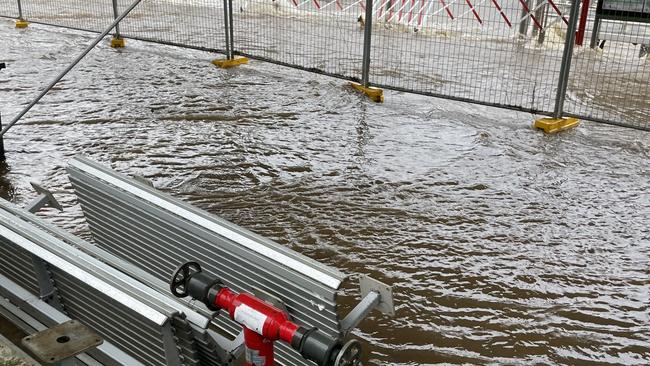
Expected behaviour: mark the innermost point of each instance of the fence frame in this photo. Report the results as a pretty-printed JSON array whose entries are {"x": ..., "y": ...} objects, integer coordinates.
[
  {"x": 567, "y": 55},
  {"x": 364, "y": 78}
]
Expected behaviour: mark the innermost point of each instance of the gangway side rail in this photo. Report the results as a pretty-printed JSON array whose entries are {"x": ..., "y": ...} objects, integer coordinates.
[
  {"x": 157, "y": 232},
  {"x": 183, "y": 334},
  {"x": 99, "y": 261},
  {"x": 32, "y": 314},
  {"x": 127, "y": 322},
  {"x": 128, "y": 278}
]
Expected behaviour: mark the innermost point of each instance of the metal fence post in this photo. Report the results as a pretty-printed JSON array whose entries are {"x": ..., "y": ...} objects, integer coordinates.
[
  {"x": 543, "y": 19},
  {"x": 226, "y": 21},
  {"x": 523, "y": 26},
  {"x": 231, "y": 29},
  {"x": 367, "y": 38},
  {"x": 594, "y": 32},
  {"x": 565, "y": 67},
  {"x": 115, "y": 15},
  {"x": 20, "y": 10}
]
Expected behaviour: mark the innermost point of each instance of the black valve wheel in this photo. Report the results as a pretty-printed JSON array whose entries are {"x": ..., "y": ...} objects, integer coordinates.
[
  {"x": 178, "y": 284},
  {"x": 350, "y": 354}
]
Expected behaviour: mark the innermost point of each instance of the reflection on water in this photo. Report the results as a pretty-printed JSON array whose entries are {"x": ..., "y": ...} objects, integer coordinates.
[{"x": 504, "y": 246}]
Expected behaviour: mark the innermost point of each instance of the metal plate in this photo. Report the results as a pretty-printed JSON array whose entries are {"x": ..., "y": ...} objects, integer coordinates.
[
  {"x": 61, "y": 342},
  {"x": 368, "y": 284}
]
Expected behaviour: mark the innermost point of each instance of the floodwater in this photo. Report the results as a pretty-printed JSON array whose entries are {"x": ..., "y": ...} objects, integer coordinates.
[{"x": 503, "y": 245}]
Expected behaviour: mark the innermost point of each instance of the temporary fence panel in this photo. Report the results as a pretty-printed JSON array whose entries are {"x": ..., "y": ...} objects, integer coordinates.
[
  {"x": 157, "y": 232},
  {"x": 9, "y": 8},
  {"x": 611, "y": 81},
  {"x": 88, "y": 15},
  {"x": 323, "y": 36},
  {"x": 495, "y": 52},
  {"x": 505, "y": 53},
  {"x": 197, "y": 24}
]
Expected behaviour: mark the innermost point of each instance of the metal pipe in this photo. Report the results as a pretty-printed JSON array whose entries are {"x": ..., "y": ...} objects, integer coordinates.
[
  {"x": 595, "y": 30},
  {"x": 20, "y": 10},
  {"x": 363, "y": 308},
  {"x": 544, "y": 20},
  {"x": 226, "y": 20},
  {"x": 566, "y": 60},
  {"x": 115, "y": 14},
  {"x": 72, "y": 65},
  {"x": 367, "y": 38},
  {"x": 523, "y": 26},
  {"x": 231, "y": 29}
]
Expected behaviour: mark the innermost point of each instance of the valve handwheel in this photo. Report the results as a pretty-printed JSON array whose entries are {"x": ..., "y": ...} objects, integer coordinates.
[
  {"x": 349, "y": 355},
  {"x": 178, "y": 284}
]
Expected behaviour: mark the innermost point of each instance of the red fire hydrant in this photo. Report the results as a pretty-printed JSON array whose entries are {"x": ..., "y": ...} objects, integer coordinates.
[{"x": 263, "y": 323}]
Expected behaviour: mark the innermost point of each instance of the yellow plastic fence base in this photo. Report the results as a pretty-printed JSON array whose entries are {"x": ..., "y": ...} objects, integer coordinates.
[
  {"x": 226, "y": 64},
  {"x": 375, "y": 94},
  {"x": 118, "y": 42},
  {"x": 553, "y": 125},
  {"x": 21, "y": 23}
]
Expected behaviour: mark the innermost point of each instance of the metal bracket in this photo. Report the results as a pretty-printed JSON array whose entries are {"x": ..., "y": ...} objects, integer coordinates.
[
  {"x": 271, "y": 299},
  {"x": 368, "y": 285},
  {"x": 375, "y": 295},
  {"x": 44, "y": 199},
  {"x": 60, "y": 344},
  {"x": 48, "y": 292},
  {"x": 233, "y": 348}
]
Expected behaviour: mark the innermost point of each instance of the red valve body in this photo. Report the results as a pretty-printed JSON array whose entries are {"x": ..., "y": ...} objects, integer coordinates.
[{"x": 263, "y": 324}]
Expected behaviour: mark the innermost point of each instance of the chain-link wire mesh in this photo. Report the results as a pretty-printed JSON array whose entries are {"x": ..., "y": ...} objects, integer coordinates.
[
  {"x": 9, "y": 8},
  {"x": 497, "y": 52},
  {"x": 506, "y": 53},
  {"x": 317, "y": 35},
  {"x": 611, "y": 81},
  {"x": 195, "y": 24},
  {"x": 89, "y": 15}
]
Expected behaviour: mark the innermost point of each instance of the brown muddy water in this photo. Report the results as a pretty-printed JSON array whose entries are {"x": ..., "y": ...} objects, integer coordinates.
[{"x": 504, "y": 245}]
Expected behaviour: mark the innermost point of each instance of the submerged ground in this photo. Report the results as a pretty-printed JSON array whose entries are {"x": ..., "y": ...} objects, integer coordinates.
[{"x": 504, "y": 245}]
